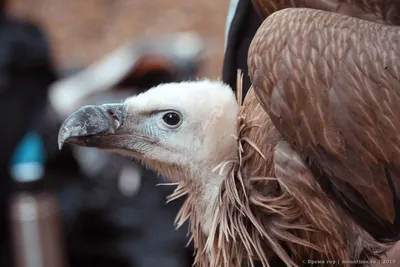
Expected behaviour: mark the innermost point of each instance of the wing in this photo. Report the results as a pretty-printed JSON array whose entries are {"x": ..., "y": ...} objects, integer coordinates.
[{"x": 330, "y": 84}]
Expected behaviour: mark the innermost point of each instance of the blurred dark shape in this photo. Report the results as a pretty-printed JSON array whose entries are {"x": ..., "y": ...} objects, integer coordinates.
[
  {"x": 25, "y": 74},
  {"x": 117, "y": 217},
  {"x": 2, "y": 7},
  {"x": 245, "y": 23}
]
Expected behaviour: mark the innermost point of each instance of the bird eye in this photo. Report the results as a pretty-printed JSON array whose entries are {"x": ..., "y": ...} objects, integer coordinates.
[{"x": 172, "y": 119}]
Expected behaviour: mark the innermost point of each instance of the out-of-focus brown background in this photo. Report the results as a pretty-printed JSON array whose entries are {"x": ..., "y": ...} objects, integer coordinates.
[{"x": 82, "y": 31}]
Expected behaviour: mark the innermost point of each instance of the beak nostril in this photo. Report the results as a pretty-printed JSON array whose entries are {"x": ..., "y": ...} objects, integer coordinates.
[{"x": 112, "y": 114}]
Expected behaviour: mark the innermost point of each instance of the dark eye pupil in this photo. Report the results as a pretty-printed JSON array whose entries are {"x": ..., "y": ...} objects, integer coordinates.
[{"x": 171, "y": 119}]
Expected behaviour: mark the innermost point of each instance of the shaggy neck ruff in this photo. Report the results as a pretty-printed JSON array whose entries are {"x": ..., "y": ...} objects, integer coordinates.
[
  {"x": 245, "y": 211},
  {"x": 254, "y": 215}
]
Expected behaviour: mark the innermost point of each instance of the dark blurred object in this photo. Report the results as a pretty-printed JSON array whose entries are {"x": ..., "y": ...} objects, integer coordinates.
[
  {"x": 116, "y": 216},
  {"x": 25, "y": 74},
  {"x": 2, "y": 7},
  {"x": 36, "y": 233},
  {"x": 244, "y": 25}
]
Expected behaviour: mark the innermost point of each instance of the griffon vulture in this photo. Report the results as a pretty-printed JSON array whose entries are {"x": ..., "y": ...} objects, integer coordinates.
[{"x": 307, "y": 168}]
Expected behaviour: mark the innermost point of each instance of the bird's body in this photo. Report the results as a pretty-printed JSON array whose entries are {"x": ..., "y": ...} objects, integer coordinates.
[{"x": 305, "y": 169}]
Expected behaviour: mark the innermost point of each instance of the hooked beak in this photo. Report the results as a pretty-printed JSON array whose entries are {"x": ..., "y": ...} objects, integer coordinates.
[{"x": 94, "y": 126}]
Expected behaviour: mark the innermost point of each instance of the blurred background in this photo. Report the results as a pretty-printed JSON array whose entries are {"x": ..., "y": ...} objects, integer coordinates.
[
  {"x": 80, "y": 207},
  {"x": 82, "y": 31}
]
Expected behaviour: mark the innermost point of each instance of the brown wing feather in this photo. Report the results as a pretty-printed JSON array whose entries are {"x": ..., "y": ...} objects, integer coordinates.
[{"x": 330, "y": 84}]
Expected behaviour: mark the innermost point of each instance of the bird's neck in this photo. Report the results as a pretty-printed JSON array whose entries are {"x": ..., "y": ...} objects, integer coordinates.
[
  {"x": 209, "y": 199},
  {"x": 203, "y": 190}
]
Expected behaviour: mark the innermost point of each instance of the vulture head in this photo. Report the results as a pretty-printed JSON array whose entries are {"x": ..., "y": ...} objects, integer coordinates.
[{"x": 181, "y": 130}]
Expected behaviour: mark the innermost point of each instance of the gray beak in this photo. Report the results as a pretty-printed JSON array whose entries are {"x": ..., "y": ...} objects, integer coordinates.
[{"x": 93, "y": 126}]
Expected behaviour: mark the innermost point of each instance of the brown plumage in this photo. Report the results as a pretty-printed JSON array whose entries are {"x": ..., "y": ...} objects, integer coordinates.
[
  {"x": 340, "y": 110},
  {"x": 313, "y": 171},
  {"x": 330, "y": 85}
]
